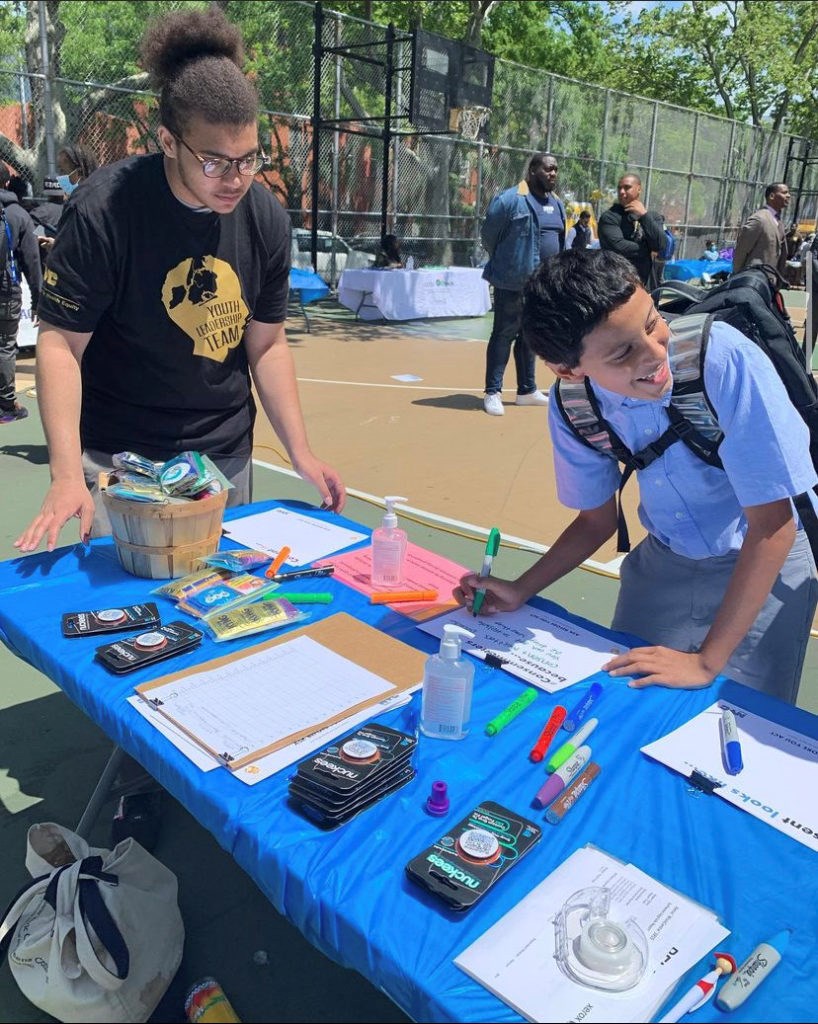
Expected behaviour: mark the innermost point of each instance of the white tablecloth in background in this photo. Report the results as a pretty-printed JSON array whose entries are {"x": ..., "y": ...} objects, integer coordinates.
[{"x": 410, "y": 294}]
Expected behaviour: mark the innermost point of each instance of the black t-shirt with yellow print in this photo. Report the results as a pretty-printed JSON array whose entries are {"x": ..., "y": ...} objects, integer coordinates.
[{"x": 166, "y": 293}]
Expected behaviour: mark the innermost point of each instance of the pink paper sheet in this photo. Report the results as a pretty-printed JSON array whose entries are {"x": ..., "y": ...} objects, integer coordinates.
[{"x": 423, "y": 570}]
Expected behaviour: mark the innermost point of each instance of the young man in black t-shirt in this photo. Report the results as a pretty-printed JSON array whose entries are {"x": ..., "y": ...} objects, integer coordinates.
[{"x": 166, "y": 292}]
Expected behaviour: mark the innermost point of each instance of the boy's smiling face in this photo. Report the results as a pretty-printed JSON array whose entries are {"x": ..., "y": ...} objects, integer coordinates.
[{"x": 627, "y": 352}]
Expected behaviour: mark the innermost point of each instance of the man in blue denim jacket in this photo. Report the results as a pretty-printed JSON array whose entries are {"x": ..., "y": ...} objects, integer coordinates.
[{"x": 523, "y": 225}]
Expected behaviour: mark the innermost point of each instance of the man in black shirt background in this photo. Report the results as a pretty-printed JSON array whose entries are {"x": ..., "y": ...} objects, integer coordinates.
[{"x": 632, "y": 230}]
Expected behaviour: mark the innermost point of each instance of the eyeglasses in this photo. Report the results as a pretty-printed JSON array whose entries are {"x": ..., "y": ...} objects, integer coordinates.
[{"x": 219, "y": 166}]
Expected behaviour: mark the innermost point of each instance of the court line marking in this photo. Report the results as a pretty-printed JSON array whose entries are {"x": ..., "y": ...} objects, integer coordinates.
[
  {"x": 611, "y": 567},
  {"x": 375, "y": 384}
]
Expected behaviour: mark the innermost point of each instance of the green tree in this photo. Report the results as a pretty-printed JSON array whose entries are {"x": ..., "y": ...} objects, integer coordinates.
[{"x": 750, "y": 61}]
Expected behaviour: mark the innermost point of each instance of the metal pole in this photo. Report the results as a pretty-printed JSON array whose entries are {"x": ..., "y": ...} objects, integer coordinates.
[
  {"x": 805, "y": 144},
  {"x": 23, "y": 111},
  {"x": 387, "y": 124},
  {"x": 48, "y": 99},
  {"x": 395, "y": 212},
  {"x": 726, "y": 190},
  {"x": 317, "y": 51},
  {"x": 651, "y": 154},
  {"x": 603, "y": 149},
  {"x": 478, "y": 201},
  {"x": 808, "y": 335},
  {"x": 549, "y": 106},
  {"x": 336, "y": 156},
  {"x": 683, "y": 252}
]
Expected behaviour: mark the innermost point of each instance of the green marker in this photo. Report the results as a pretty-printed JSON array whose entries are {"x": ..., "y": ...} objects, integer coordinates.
[
  {"x": 561, "y": 755},
  {"x": 515, "y": 708},
  {"x": 299, "y": 598},
  {"x": 492, "y": 547}
]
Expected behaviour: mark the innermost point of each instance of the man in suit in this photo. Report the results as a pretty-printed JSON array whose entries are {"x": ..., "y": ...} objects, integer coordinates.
[{"x": 762, "y": 238}]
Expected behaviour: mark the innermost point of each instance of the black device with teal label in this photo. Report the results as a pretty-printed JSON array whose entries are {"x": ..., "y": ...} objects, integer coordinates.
[
  {"x": 111, "y": 620},
  {"x": 473, "y": 855},
  {"x": 347, "y": 765},
  {"x": 146, "y": 648},
  {"x": 351, "y": 774}
]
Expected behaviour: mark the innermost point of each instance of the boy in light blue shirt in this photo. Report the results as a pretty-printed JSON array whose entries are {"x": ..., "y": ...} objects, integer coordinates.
[{"x": 725, "y": 580}]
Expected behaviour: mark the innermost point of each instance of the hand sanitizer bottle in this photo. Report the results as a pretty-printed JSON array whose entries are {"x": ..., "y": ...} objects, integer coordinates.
[
  {"x": 388, "y": 548},
  {"x": 447, "y": 688}
]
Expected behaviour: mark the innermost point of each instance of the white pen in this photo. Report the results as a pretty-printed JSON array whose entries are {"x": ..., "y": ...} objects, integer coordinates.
[{"x": 730, "y": 742}]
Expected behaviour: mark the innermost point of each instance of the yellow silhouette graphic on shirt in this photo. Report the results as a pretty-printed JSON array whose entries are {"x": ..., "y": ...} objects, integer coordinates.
[{"x": 202, "y": 296}]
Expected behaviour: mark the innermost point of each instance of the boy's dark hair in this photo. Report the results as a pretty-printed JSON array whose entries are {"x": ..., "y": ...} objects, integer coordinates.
[
  {"x": 194, "y": 58},
  {"x": 569, "y": 295},
  {"x": 80, "y": 157}
]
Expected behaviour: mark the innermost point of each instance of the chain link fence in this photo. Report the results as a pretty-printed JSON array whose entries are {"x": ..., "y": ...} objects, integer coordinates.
[{"x": 704, "y": 173}]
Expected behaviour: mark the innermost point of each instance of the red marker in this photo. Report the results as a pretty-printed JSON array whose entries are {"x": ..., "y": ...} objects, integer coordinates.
[{"x": 548, "y": 733}]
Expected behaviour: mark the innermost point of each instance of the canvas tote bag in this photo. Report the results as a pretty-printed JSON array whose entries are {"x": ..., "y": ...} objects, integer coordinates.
[{"x": 97, "y": 935}]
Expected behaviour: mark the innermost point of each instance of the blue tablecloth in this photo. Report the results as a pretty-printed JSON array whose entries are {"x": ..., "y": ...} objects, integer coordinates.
[
  {"x": 346, "y": 890},
  {"x": 308, "y": 284},
  {"x": 686, "y": 270}
]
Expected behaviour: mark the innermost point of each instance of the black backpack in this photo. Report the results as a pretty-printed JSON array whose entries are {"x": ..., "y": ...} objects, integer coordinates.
[{"x": 751, "y": 302}]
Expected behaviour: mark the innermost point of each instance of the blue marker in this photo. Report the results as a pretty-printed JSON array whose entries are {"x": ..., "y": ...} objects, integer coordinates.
[
  {"x": 730, "y": 743},
  {"x": 580, "y": 712}
]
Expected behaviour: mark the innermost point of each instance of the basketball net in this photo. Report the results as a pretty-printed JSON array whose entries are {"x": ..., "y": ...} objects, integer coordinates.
[{"x": 467, "y": 121}]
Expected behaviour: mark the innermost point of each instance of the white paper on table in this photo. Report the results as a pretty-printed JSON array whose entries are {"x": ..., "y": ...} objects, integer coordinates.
[
  {"x": 515, "y": 958},
  {"x": 200, "y": 757},
  {"x": 535, "y": 645},
  {"x": 308, "y": 538},
  {"x": 780, "y": 775},
  {"x": 268, "y": 765},
  {"x": 252, "y": 702}
]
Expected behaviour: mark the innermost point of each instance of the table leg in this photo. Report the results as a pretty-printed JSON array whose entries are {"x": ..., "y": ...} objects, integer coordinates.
[{"x": 101, "y": 792}]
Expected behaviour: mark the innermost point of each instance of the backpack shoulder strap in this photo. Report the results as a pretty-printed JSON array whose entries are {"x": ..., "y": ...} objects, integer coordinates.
[
  {"x": 580, "y": 410},
  {"x": 691, "y": 414}
]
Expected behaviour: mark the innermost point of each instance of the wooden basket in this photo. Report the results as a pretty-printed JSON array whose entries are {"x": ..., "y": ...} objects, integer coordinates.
[{"x": 163, "y": 542}]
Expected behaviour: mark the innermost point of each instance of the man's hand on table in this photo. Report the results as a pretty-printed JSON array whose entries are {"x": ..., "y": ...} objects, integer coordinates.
[{"x": 65, "y": 500}]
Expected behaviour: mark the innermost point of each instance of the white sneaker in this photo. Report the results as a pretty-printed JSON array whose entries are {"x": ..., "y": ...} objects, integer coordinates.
[
  {"x": 493, "y": 404},
  {"x": 535, "y": 398}
]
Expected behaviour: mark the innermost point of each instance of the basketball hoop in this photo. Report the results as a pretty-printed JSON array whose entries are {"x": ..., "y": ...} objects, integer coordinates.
[{"x": 467, "y": 121}]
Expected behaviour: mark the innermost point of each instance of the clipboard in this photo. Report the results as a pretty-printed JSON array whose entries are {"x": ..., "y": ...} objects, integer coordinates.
[{"x": 366, "y": 646}]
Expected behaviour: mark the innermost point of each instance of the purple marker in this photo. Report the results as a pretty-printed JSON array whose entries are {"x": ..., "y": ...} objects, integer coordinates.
[
  {"x": 564, "y": 775},
  {"x": 580, "y": 712}
]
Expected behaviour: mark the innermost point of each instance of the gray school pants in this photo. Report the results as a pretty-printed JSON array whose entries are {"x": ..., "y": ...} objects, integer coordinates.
[
  {"x": 671, "y": 601},
  {"x": 238, "y": 470}
]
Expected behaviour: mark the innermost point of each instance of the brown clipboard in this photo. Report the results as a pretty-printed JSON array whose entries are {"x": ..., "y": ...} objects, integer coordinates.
[{"x": 395, "y": 661}]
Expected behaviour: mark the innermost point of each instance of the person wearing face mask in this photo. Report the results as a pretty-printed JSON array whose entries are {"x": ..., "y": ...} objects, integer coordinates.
[
  {"x": 166, "y": 291},
  {"x": 75, "y": 163}
]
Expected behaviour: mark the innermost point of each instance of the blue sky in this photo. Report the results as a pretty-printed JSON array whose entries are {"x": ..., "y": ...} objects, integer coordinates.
[{"x": 636, "y": 6}]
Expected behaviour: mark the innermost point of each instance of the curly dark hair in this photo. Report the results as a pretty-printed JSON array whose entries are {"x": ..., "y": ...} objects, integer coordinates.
[
  {"x": 80, "y": 157},
  {"x": 569, "y": 295},
  {"x": 195, "y": 58}
]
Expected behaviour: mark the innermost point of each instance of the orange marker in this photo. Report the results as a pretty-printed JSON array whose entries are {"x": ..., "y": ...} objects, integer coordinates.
[
  {"x": 403, "y": 595},
  {"x": 277, "y": 562}
]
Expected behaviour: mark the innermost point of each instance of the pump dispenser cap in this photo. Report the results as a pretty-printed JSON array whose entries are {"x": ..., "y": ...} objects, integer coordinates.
[
  {"x": 437, "y": 803},
  {"x": 450, "y": 644},
  {"x": 390, "y": 520}
]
